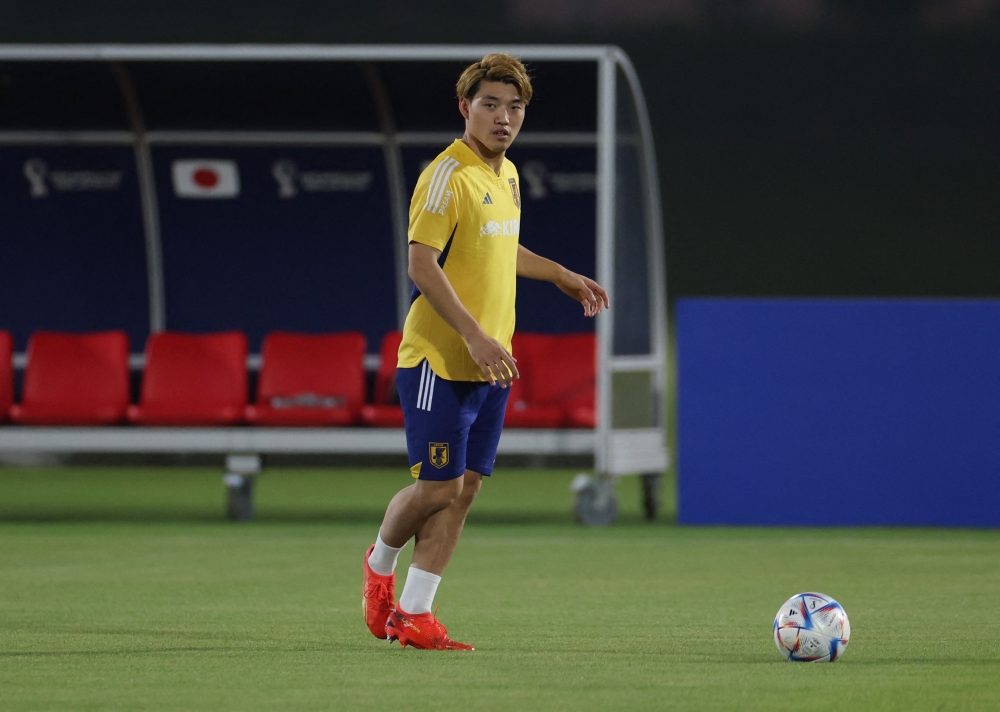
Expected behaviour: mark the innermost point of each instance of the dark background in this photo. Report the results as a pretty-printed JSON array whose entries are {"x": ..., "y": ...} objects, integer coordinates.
[{"x": 806, "y": 147}]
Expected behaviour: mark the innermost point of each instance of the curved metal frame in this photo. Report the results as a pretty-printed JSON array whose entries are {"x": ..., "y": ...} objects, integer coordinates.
[
  {"x": 147, "y": 196},
  {"x": 609, "y": 59},
  {"x": 628, "y": 451},
  {"x": 397, "y": 188},
  {"x": 296, "y": 53},
  {"x": 654, "y": 235}
]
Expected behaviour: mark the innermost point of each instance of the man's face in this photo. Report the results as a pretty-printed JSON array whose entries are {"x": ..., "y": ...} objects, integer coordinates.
[{"x": 493, "y": 115}]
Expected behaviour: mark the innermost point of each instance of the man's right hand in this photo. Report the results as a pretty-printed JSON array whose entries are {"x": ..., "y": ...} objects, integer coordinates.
[{"x": 496, "y": 362}]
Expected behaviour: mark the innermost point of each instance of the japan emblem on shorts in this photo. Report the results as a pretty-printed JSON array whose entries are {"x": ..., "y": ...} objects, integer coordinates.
[
  {"x": 513, "y": 190},
  {"x": 439, "y": 454}
]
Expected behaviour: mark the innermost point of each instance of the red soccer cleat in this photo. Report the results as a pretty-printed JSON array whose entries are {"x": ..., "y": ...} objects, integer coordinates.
[
  {"x": 378, "y": 598},
  {"x": 422, "y": 631}
]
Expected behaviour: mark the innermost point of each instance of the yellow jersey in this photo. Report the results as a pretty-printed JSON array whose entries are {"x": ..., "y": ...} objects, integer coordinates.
[{"x": 461, "y": 207}]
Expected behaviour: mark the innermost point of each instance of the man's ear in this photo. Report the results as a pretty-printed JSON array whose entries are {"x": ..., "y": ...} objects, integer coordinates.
[{"x": 463, "y": 107}]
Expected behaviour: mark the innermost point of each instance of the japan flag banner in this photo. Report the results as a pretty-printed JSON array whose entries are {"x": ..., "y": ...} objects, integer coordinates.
[{"x": 205, "y": 178}]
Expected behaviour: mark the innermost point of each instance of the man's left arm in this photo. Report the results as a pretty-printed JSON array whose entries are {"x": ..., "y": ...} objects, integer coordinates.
[{"x": 583, "y": 289}]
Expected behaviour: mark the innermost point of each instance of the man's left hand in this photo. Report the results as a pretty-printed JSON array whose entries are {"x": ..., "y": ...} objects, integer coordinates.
[{"x": 584, "y": 290}]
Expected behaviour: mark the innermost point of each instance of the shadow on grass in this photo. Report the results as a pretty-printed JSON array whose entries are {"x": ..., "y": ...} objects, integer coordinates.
[
  {"x": 332, "y": 516},
  {"x": 164, "y": 651}
]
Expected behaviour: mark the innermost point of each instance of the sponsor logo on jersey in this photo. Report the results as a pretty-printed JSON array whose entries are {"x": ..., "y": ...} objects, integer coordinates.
[
  {"x": 444, "y": 202},
  {"x": 205, "y": 178},
  {"x": 39, "y": 177},
  {"x": 496, "y": 229},
  {"x": 439, "y": 454},
  {"x": 513, "y": 191},
  {"x": 290, "y": 180},
  {"x": 487, "y": 200}
]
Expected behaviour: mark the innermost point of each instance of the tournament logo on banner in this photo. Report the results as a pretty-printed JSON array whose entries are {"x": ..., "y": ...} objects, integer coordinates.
[
  {"x": 39, "y": 177},
  {"x": 290, "y": 179},
  {"x": 205, "y": 178},
  {"x": 540, "y": 178}
]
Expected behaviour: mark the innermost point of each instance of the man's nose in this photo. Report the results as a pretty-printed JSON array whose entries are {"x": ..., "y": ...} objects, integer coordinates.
[{"x": 503, "y": 118}]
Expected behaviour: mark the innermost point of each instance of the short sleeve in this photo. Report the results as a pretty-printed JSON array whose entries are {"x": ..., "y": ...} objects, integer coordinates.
[{"x": 434, "y": 207}]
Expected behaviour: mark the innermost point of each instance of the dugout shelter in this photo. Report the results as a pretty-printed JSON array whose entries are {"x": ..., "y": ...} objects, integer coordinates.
[{"x": 198, "y": 188}]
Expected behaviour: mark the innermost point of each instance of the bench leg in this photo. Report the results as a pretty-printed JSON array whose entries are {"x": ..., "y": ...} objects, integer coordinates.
[
  {"x": 241, "y": 475},
  {"x": 651, "y": 484}
]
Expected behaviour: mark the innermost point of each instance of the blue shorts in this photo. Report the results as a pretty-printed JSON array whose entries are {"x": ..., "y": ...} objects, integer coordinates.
[{"x": 451, "y": 426}]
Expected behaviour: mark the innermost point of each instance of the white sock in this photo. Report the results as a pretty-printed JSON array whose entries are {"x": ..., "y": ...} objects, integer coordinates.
[
  {"x": 418, "y": 593},
  {"x": 383, "y": 558}
]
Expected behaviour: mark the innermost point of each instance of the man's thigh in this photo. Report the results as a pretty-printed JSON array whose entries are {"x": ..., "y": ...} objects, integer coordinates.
[
  {"x": 437, "y": 414},
  {"x": 484, "y": 433}
]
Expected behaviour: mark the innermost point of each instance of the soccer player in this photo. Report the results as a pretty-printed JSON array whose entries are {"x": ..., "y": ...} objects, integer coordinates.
[{"x": 455, "y": 366}]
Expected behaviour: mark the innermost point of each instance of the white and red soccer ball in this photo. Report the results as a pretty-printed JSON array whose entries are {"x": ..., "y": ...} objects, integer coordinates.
[{"x": 811, "y": 628}]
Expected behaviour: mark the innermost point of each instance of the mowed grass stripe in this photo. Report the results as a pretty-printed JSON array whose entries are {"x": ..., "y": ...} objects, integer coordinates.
[{"x": 104, "y": 612}]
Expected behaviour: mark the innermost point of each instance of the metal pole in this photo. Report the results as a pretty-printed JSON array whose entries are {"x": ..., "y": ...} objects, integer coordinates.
[
  {"x": 398, "y": 203},
  {"x": 147, "y": 196},
  {"x": 606, "y": 106}
]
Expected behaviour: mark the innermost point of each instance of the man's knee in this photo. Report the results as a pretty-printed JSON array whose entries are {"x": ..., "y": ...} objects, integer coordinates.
[
  {"x": 439, "y": 495},
  {"x": 472, "y": 483}
]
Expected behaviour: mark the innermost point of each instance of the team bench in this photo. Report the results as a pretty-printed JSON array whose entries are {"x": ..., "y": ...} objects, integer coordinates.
[{"x": 310, "y": 399}]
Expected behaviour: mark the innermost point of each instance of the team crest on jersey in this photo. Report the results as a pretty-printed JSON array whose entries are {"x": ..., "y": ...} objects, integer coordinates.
[
  {"x": 439, "y": 454},
  {"x": 513, "y": 190}
]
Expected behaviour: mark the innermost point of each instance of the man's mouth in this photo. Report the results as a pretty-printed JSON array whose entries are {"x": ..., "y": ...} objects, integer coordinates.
[{"x": 501, "y": 133}]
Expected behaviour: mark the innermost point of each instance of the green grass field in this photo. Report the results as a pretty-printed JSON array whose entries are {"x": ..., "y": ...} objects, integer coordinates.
[{"x": 123, "y": 589}]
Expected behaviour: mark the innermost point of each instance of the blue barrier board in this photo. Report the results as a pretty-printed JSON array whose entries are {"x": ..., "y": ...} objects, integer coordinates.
[{"x": 838, "y": 412}]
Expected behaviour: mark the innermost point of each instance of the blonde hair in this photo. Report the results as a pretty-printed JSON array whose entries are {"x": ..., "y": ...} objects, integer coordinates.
[{"x": 499, "y": 67}]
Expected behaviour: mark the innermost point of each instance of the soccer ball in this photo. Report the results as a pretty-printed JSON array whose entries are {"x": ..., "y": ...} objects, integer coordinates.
[{"x": 811, "y": 628}]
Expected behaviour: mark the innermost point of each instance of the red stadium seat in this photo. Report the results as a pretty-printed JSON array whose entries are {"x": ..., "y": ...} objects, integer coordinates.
[
  {"x": 193, "y": 379},
  {"x": 75, "y": 379},
  {"x": 557, "y": 384},
  {"x": 308, "y": 380},
  {"x": 385, "y": 411},
  {"x": 6, "y": 374}
]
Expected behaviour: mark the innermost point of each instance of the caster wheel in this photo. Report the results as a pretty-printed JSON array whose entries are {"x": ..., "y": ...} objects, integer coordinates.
[{"x": 595, "y": 502}]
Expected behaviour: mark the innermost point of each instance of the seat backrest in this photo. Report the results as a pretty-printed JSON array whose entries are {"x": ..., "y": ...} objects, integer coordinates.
[
  {"x": 306, "y": 365},
  {"x": 556, "y": 369},
  {"x": 385, "y": 377},
  {"x": 521, "y": 387},
  {"x": 65, "y": 369},
  {"x": 195, "y": 368},
  {"x": 6, "y": 373}
]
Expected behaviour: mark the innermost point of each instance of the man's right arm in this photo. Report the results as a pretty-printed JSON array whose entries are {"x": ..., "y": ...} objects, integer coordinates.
[{"x": 489, "y": 354}]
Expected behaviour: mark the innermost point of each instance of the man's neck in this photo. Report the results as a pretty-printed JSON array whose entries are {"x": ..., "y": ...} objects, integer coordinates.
[{"x": 490, "y": 158}]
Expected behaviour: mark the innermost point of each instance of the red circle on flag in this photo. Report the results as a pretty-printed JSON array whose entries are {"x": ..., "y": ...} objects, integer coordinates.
[{"x": 205, "y": 178}]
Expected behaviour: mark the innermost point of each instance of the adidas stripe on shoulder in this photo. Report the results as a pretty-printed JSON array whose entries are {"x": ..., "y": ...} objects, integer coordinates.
[{"x": 438, "y": 196}]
